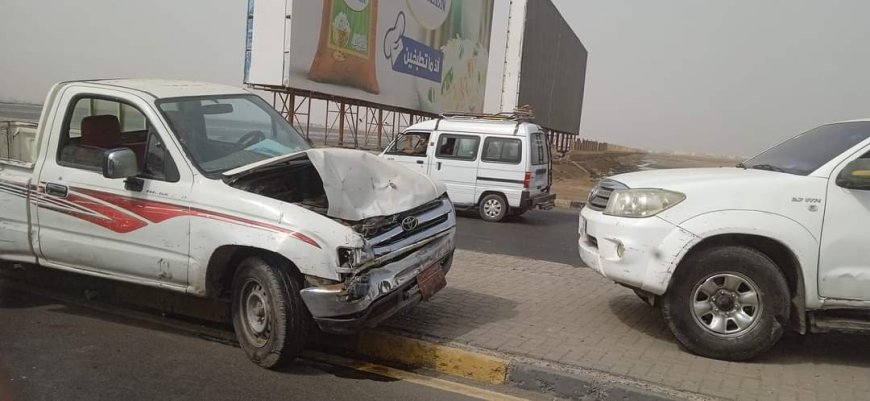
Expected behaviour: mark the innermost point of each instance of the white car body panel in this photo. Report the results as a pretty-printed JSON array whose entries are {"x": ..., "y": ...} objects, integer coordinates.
[{"x": 821, "y": 223}]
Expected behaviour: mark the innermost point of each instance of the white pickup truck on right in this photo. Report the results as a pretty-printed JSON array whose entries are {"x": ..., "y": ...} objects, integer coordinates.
[{"x": 734, "y": 256}]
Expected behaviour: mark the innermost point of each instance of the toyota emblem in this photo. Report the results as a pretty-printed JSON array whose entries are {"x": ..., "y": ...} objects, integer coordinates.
[{"x": 409, "y": 223}]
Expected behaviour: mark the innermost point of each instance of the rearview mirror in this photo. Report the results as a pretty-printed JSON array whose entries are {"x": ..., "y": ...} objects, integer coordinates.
[
  {"x": 120, "y": 163},
  {"x": 856, "y": 175},
  {"x": 217, "y": 109}
]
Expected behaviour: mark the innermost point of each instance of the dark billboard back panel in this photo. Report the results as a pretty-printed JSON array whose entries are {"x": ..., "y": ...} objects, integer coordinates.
[{"x": 553, "y": 69}]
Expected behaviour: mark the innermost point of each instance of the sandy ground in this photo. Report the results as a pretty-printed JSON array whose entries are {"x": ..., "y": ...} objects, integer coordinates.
[{"x": 578, "y": 172}]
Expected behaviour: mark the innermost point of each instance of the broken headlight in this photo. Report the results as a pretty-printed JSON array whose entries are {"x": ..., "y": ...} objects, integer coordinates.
[
  {"x": 350, "y": 258},
  {"x": 641, "y": 202}
]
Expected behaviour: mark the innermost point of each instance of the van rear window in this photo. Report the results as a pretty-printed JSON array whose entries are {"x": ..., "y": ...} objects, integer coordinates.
[
  {"x": 502, "y": 150},
  {"x": 540, "y": 150}
]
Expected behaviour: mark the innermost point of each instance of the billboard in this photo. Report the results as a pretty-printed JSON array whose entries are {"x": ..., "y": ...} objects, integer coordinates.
[
  {"x": 552, "y": 78},
  {"x": 426, "y": 55}
]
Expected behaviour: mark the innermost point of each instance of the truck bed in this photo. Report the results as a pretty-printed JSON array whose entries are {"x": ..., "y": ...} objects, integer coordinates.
[{"x": 17, "y": 141}]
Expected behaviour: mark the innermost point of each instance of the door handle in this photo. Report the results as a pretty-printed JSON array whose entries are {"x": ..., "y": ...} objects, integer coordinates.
[
  {"x": 419, "y": 162},
  {"x": 391, "y": 158},
  {"x": 438, "y": 166},
  {"x": 56, "y": 190}
]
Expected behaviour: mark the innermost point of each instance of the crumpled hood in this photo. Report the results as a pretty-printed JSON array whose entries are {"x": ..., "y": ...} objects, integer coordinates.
[{"x": 360, "y": 185}]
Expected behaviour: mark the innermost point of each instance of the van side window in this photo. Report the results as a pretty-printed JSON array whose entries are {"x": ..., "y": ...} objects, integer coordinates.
[
  {"x": 410, "y": 144},
  {"x": 462, "y": 147},
  {"x": 502, "y": 150},
  {"x": 540, "y": 149}
]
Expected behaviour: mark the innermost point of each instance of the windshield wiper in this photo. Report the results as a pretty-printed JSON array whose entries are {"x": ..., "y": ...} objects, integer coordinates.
[{"x": 768, "y": 167}]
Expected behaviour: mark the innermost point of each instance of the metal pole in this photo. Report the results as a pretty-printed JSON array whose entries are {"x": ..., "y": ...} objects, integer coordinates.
[
  {"x": 341, "y": 124},
  {"x": 380, "y": 126},
  {"x": 291, "y": 108}
]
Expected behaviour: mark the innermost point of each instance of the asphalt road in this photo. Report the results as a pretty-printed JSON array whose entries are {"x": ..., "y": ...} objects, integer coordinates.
[
  {"x": 545, "y": 235},
  {"x": 52, "y": 351}
]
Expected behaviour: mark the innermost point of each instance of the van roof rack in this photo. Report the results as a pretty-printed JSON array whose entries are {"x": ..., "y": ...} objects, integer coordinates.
[{"x": 524, "y": 113}]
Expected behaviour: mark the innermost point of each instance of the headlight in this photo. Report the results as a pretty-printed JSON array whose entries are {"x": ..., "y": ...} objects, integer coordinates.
[
  {"x": 351, "y": 258},
  {"x": 641, "y": 202}
]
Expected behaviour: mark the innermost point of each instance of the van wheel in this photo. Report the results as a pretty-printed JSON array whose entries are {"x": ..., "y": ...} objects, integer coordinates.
[
  {"x": 728, "y": 302},
  {"x": 269, "y": 317},
  {"x": 493, "y": 207}
]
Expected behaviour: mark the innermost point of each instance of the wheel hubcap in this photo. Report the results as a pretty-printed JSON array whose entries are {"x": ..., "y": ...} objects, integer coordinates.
[
  {"x": 256, "y": 317},
  {"x": 726, "y": 304},
  {"x": 492, "y": 208}
]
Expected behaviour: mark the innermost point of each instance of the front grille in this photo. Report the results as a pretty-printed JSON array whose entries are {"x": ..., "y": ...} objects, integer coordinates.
[
  {"x": 432, "y": 218},
  {"x": 600, "y": 195}
]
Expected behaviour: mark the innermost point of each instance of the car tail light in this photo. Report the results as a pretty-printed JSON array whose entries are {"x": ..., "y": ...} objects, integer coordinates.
[{"x": 527, "y": 179}]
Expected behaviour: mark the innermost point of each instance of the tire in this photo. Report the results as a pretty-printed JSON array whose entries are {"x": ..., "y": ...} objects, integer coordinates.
[
  {"x": 493, "y": 207},
  {"x": 270, "y": 320},
  {"x": 745, "y": 313}
]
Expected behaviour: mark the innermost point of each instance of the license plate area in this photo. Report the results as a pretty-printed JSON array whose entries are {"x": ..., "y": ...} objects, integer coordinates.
[{"x": 431, "y": 280}]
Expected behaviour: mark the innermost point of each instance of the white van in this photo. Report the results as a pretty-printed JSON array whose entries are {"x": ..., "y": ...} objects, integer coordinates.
[{"x": 497, "y": 165}]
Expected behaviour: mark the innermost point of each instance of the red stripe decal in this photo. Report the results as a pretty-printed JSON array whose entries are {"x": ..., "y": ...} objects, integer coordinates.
[
  {"x": 111, "y": 218},
  {"x": 153, "y": 211}
]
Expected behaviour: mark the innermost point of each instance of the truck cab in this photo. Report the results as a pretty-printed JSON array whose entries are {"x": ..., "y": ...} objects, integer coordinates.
[
  {"x": 734, "y": 256},
  {"x": 499, "y": 166},
  {"x": 205, "y": 189}
]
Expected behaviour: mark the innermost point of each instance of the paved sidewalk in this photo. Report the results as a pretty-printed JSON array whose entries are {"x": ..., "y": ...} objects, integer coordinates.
[{"x": 570, "y": 315}]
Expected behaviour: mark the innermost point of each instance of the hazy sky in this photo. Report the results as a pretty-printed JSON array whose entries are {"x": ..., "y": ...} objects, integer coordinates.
[{"x": 727, "y": 77}]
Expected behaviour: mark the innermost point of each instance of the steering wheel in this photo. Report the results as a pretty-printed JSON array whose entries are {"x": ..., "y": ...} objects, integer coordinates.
[{"x": 250, "y": 138}]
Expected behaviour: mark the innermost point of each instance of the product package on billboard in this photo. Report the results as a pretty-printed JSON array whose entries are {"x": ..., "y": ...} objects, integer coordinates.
[
  {"x": 346, "y": 48},
  {"x": 426, "y": 55}
]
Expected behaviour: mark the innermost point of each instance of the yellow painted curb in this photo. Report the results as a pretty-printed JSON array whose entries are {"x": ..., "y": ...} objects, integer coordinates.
[{"x": 449, "y": 360}]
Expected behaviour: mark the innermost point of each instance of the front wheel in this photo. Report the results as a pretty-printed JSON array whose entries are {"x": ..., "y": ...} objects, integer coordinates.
[
  {"x": 269, "y": 317},
  {"x": 493, "y": 207},
  {"x": 728, "y": 302}
]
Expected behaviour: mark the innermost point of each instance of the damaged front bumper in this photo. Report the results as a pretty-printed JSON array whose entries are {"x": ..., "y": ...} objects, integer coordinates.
[{"x": 391, "y": 287}]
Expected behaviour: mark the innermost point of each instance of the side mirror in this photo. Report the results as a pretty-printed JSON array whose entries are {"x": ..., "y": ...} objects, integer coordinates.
[
  {"x": 856, "y": 175},
  {"x": 120, "y": 163}
]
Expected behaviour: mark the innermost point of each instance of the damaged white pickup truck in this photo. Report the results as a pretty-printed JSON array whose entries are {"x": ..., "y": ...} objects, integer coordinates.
[{"x": 205, "y": 189}]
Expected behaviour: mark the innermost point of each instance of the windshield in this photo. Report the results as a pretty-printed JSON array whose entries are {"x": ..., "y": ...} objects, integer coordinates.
[
  {"x": 807, "y": 152},
  {"x": 224, "y": 132}
]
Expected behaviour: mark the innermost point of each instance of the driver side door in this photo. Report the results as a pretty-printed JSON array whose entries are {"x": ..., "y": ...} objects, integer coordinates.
[
  {"x": 844, "y": 265},
  {"x": 411, "y": 150},
  {"x": 138, "y": 228}
]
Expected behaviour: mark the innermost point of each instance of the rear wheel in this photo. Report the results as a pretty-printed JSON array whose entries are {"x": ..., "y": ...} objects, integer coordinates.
[
  {"x": 269, "y": 317},
  {"x": 728, "y": 302},
  {"x": 493, "y": 207}
]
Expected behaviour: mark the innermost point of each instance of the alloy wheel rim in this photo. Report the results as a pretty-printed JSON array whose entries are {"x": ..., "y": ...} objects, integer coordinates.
[{"x": 726, "y": 304}]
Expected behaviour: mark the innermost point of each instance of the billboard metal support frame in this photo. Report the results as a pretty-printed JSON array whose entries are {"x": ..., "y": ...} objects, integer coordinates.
[
  {"x": 373, "y": 127},
  {"x": 359, "y": 124}
]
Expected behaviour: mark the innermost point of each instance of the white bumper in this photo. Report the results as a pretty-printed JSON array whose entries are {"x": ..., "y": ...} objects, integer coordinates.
[{"x": 640, "y": 253}]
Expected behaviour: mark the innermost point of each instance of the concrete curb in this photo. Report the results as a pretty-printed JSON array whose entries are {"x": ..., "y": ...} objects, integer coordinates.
[
  {"x": 486, "y": 367},
  {"x": 569, "y": 204}
]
